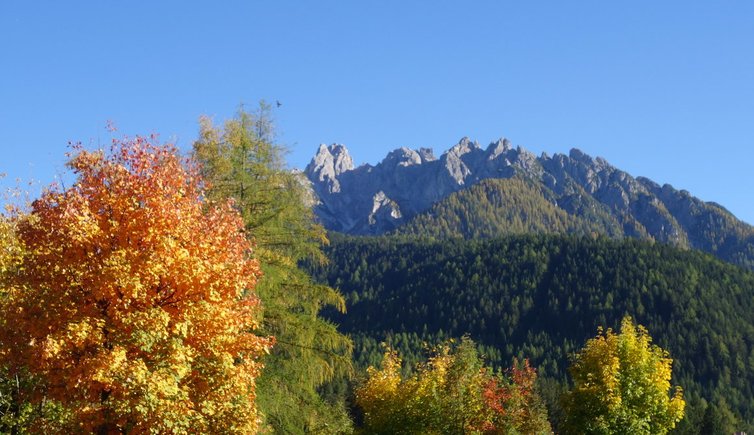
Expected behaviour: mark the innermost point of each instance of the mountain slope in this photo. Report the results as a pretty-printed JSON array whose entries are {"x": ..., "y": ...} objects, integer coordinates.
[
  {"x": 541, "y": 297},
  {"x": 372, "y": 200},
  {"x": 496, "y": 207}
]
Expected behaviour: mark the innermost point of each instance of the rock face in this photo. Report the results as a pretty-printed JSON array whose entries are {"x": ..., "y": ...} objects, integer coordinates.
[
  {"x": 329, "y": 163},
  {"x": 371, "y": 200}
]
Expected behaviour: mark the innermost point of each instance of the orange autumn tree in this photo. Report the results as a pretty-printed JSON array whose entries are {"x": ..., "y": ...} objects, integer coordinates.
[{"x": 133, "y": 304}]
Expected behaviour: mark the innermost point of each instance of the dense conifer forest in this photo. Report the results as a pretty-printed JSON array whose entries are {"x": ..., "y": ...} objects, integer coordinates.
[
  {"x": 541, "y": 297},
  {"x": 497, "y": 207}
]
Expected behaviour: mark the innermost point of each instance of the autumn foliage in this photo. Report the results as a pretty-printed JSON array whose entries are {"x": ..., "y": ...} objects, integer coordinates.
[
  {"x": 453, "y": 393},
  {"x": 132, "y": 303},
  {"x": 622, "y": 385}
]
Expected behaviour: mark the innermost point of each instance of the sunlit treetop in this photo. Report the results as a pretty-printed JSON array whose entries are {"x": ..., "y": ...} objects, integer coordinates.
[
  {"x": 621, "y": 385},
  {"x": 134, "y": 302}
]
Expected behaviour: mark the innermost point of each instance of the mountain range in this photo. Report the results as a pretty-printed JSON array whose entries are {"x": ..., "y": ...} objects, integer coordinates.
[{"x": 471, "y": 192}]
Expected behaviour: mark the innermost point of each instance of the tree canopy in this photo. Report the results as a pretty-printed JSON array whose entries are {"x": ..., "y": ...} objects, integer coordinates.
[
  {"x": 132, "y": 304},
  {"x": 452, "y": 393},
  {"x": 242, "y": 161},
  {"x": 621, "y": 384}
]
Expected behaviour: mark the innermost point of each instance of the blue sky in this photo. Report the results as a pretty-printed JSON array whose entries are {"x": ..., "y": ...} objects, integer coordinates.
[{"x": 660, "y": 89}]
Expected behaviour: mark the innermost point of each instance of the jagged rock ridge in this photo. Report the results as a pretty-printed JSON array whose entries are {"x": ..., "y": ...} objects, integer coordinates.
[{"x": 371, "y": 200}]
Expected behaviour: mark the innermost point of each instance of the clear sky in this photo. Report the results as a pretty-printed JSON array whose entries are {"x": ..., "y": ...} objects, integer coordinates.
[{"x": 663, "y": 89}]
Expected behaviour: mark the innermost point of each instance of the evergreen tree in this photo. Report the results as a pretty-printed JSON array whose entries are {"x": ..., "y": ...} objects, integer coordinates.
[
  {"x": 241, "y": 161},
  {"x": 718, "y": 419}
]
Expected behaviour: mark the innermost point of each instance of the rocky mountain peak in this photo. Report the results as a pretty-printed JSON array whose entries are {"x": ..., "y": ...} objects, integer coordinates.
[
  {"x": 402, "y": 157},
  {"x": 328, "y": 164},
  {"x": 498, "y": 148},
  {"x": 579, "y": 156},
  {"x": 427, "y": 155},
  {"x": 596, "y": 163},
  {"x": 464, "y": 146}
]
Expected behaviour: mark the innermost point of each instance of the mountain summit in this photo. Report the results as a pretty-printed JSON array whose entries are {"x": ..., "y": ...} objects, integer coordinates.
[{"x": 412, "y": 191}]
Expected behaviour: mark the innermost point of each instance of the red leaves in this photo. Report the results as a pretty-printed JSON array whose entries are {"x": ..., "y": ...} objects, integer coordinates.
[
  {"x": 501, "y": 395},
  {"x": 452, "y": 393}
]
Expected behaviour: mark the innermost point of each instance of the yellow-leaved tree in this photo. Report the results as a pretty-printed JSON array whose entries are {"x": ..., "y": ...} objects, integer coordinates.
[
  {"x": 131, "y": 306},
  {"x": 621, "y": 386},
  {"x": 453, "y": 393}
]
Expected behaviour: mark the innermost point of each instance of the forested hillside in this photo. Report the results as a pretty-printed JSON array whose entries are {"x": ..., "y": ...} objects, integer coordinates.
[
  {"x": 541, "y": 297},
  {"x": 498, "y": 207}
]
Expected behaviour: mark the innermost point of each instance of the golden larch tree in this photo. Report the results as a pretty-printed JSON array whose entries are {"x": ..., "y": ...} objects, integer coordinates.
[{"x": 242, "y": 161}]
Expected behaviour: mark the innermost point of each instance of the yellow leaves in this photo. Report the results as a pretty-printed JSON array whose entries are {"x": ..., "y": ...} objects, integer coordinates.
[
  {"x": 180, "y": 329},
  {"x": 85, "y": 160},
  {"x": 51, "y": 348},
  {"x": 87, "y": 331},
  {"x": 677, "y": 405},
  {"x": 452, "y": 393},
  {"x": 621, "y": 380},
  {"x": 382, "y": 384},
  {"x": 74, "y": 337},
  {"x": 109, "y": 367},
  {"x": 10, "y": 247},
  {"x": 128, "y": 286},
  {"x": 148, "y": 328}
]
